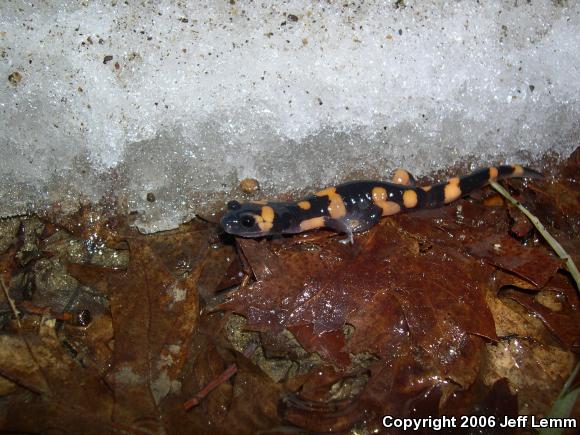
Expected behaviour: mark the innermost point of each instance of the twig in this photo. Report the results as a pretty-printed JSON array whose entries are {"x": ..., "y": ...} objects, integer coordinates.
[
  {"x": 11, "y": 303},
  {"x": 551, "y": 241},
  {"x": 224, "y": 376}
]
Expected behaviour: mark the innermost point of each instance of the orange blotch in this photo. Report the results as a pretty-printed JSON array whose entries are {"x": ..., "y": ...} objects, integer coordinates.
[
  {"x": 452, "y": 190},
  {"x": 336, "y": 208},
  {"x": 327, "y": 192},
  {"x": 401, "y": 177},
  {"x": 268, "y": 214},
  {"x": 390, "y": 208},
  {"x": 410, "y": 198},
  {"x": 265, "y": 226},
  {"x": 310, "y": 224},
  {"x": 380, "y": 198},
  {"x": 518, "y": 171},
  {"x": 379, "y": 194}
]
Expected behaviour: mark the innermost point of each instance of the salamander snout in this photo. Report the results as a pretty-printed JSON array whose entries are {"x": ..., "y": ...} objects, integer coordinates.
[
  {"x": 246, "y": 220},
  {"x": 239, "y": 224}
]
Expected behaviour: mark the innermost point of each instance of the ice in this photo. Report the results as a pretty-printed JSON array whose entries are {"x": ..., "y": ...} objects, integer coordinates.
[{"x": 298, "y": 94}]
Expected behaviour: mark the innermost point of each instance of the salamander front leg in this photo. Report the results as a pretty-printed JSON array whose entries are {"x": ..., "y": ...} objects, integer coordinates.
[
  {"x": 355, "y": 223},
  {"x": 349, "y": 238}
]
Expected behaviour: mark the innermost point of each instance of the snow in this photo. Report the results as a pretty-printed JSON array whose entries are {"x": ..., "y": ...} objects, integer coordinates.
[{"x": 297, "y": 94}]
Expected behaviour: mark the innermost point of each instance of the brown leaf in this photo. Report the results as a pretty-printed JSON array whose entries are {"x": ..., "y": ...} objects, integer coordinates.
[
  {"x": 534, "y": 264},
  {"x": 222, "y": 270},
  {"x": 95, "y": 277},
  {"x": 482, "y": 400},
  {"x": 154, "y": 311},
  {"x": 19, "y": 365},
  {"x": 535, "y": 371},
  {"x": 42, "y": 364},
  {"x": 564, "y": 325}
]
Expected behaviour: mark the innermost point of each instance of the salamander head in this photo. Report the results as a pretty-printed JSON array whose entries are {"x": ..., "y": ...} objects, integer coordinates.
[{"x": 250, "y": 219}]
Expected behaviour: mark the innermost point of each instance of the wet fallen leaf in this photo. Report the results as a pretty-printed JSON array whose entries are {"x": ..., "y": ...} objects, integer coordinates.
[
  {"x": 43, "y": 365},
  {"x": 530, "y": 368},
  {"x": 564, "y": 324},
  {"x": 534, "y": 264},
  {"x": 153, "y": 314}
]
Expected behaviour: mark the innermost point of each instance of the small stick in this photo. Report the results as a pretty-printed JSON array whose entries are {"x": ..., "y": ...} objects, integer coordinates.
[
  {"x": 224, "y": 376},
  {"x": 551, "y": 241},
  {"x": 11, "y": 303},
  {"x": 79, "y": 318}
]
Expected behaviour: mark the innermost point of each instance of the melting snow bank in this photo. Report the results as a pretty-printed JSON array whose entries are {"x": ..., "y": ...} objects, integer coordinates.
[{"x": 183, "y": 101}]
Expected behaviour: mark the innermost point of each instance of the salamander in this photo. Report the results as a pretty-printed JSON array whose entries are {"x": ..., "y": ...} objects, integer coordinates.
[{"x": 356, "y": 206}]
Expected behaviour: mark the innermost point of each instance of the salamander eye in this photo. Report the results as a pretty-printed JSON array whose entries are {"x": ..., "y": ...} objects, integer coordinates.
[
  {"x": 234, "y": 205},
  {"x": 247, "y": 221}
]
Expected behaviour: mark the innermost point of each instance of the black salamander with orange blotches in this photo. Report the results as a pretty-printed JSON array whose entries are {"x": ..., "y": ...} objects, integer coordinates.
[{"x": 357, "y": 205}]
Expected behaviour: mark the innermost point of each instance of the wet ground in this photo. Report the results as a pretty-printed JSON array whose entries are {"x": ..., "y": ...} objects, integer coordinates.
[{"x": 454, "y": 311}]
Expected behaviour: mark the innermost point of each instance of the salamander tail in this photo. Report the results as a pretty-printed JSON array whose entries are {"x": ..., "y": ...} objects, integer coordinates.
[{"x": 456, "y": 187}]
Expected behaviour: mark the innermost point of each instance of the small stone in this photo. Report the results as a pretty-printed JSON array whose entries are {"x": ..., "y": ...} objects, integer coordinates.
[
  {"x": 15, "y": 78},
  {"x": 292, "y": 17},
  {"x": 150, "y": 197},
  {"x": 250, "y": 186},
  {"x": 107, "y": 59}
]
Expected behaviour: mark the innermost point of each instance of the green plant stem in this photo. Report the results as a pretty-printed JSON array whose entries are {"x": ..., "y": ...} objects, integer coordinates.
[
  {"x": 564, "y": 403},
  {"x": 551, "y": 241}
]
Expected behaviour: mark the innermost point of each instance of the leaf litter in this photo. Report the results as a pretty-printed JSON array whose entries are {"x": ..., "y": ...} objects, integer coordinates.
[{"x": 453, "y": 311}]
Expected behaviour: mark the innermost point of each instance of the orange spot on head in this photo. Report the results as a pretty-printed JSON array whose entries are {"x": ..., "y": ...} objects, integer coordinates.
[
  {"x": 410, "y": 198},
  {"x": 262, "y": 223},
  {"x": 518, "y": 171},
  {"x": 304, "y": 205},
  {"x": 426, "y": 188},
  {"x": 265, "y": 226},
  {"x": 268, "y": 214},
  {"x": 310, "y": 224},
  {"x": 493, "y": 173}
]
